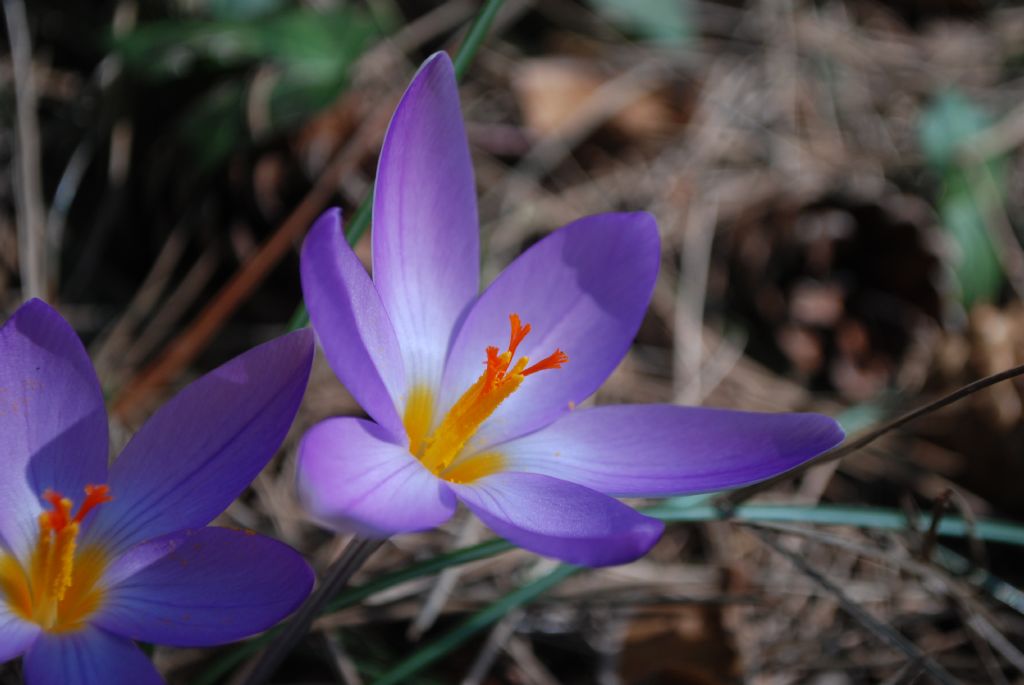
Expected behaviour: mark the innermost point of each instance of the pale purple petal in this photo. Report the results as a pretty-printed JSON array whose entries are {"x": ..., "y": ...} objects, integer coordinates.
[
  {"x": 648, "y": 450},
  {"x": 560, "y": 519},
  {"x": 203, "y": 587},
  {"x": 354, "y": 480},
  {"x": 350, "y": 320},
  {"x": 53, "y": 426},
  {"x": 203, "y": 447},
  {"x": 426, "y": 235},
  {"x": 16, "y": 635},
  {"x": 583, "y": 289},
  {"x": 87, "y": 657}
]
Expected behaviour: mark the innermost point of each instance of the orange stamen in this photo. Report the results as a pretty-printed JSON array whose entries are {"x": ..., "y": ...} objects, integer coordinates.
[
  {"x": 499, "y": 380},
  {"x": 495, "y": 368},
  {"x": 95, "y": 495},
  {"x": 58, "y": 518},
  {"x": 554, "y": 361},
  {"x": 58, "y": 587},
  {"x": 519, "y": 332}
]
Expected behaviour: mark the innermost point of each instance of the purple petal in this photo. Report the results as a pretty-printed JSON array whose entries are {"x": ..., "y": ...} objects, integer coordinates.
[
  {"x": 352, "y": 479},
  {"x": 583, "y": 289},
  {"x": 560, "y": 519},
  {"x": 426, "y": 235},
  {"x": 203, "y": 587},
  {"x": 204, "y": 447},
  {"x": 647, "y": 450},
  {"x": 16, "y": 635},
  {"x": 87, "y": 657},
  {"x": 52, "y": 420},
  {"x": 350, "y": 320}
]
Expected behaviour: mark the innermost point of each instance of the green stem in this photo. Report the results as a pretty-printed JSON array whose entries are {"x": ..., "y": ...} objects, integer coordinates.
[
  {"x": 475, "y": 37},
  {"x": 337, "y": 577}
]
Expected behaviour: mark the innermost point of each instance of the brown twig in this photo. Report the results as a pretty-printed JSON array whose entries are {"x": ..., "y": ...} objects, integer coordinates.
[
  {"x": 28, "y": 200},
  {"x": 181, "y": 351}
]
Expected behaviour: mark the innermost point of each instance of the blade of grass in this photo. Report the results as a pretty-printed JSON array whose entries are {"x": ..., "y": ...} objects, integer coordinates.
[{"x": 837, "y": 515}]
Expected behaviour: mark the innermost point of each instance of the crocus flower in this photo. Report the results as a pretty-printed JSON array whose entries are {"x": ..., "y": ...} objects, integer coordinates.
[
  {"x": 91, "y": 557},
  {"x": 473, "y": 396}
]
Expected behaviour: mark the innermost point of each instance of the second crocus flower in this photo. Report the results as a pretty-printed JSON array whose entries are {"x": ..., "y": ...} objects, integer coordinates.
[
  {"x": 473, "y": 395},
  {"x": 94, "y": 558}
]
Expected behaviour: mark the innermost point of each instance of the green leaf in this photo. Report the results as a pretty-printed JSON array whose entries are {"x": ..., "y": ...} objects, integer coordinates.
[
  {"x": 971, "y": 191},
  {"x": 233, "y": 10},
  {"x": 667, "y": 22},
  {"x": 310, "y": 54},
  {"x": 316, "y": 40},
  {"x": 978, "y": 270},
  {"x": 946, "y": 124}
]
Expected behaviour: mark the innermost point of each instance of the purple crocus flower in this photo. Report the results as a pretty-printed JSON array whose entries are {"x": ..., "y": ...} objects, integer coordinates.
[
  {"x": 91, "y": 557},
  {"x": 461, "y": 415}
]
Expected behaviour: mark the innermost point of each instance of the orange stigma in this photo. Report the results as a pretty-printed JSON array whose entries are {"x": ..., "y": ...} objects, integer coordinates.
[
  {"x": 59, "y": 588},
  {"x": 439, "y": 450}
]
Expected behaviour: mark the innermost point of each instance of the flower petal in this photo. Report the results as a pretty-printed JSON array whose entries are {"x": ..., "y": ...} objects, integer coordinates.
[
  {"x": 204, "y": 447},
  {"x": 52, "y": 419},
  {"x": 354, "y": 480},
  {"x": 426, "y": 235},
  {"x": 87, "y": 657},
  {"x": 16, "y": 635},
  {"x": 583, "y": 289},
  {"x": 203, "y": 587},
  {"x": 350, "y": 320},
  {"x": 648, "y": 450},
  {"x": 560, "y": 519}
]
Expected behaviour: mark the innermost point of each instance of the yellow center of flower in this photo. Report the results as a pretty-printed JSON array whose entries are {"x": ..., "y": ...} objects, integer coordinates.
[
  {"x": 438, "y": 449},
  {"x": 60, "y": 588}
]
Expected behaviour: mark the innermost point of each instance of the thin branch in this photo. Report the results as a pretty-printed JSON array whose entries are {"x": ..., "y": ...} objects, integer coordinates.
[{"x": 730, "y": 500}]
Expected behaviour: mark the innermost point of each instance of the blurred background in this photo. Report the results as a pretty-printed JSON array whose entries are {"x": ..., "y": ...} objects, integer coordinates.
[{"x": 839, "y": 186}]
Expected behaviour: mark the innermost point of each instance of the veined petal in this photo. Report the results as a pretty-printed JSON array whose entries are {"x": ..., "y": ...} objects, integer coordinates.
[
  {"x": 354, "y": 480},
  {"x": 583, "y": 290},
  {"x": 16, "y": 635},
  {"x": 350, "y": 320},
  {"x": 87, "y": 657},
  {"x": 52, "y": 420},
  {"x": 203, "y": 587},
  {"x": 560, "y": 519},
  {"x": 204, "y": 446},
  {"x": 426, "y": 242},
  {"x": 648, "y": 450}
]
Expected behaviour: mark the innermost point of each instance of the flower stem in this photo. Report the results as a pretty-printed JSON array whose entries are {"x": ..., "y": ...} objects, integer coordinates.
[
  {"x": 352, "y": 558},
  {"x": 475, "y": 37}
]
